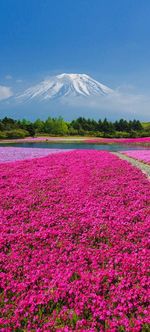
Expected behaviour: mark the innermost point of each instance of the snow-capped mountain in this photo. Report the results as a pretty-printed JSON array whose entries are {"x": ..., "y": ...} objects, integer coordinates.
[{"x": 65, "y": 85}]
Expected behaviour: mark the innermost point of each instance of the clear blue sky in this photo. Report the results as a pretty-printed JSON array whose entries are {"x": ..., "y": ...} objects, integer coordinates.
[{"x": 110, "y": 40}]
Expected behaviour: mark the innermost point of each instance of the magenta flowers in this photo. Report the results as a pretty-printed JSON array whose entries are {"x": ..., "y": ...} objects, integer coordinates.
[
  {"x": 139, "y": 141},
  {"x": 74, "y": 244},
  {"x": 141, "y": 155}
]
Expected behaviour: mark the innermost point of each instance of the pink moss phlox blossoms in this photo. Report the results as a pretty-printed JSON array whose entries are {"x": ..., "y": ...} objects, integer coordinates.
[
  {"x": 74, "y": 244},
  {"x": 141, "y": 155},
  {"x": 139, "y": 141},
  {"x": 13, "y": 153}
]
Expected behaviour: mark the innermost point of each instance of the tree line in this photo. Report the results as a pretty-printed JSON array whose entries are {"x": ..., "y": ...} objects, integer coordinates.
[{"x": 10, "y": 128}]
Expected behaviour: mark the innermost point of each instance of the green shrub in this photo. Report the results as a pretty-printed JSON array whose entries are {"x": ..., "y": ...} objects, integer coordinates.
[
  {"x": 17, "y": 133},
  {"x": 72, "y": 131},
  {"x": 2, "y": 135}
]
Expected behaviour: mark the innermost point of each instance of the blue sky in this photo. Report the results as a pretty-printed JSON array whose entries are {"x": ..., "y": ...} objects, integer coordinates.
[{"x": 109, "y": 40}]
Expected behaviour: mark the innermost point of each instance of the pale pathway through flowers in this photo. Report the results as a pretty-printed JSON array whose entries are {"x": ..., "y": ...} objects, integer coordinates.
[{"x": 145, "y": 168}]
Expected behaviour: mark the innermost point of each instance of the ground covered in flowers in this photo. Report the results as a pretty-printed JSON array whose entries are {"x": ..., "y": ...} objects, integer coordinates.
[
  {"x": 13, "y": 154},
  {"x": 137, "y": 141},
  {"x": 141, "y": 155},
  {"x": 74, "y": 244}
]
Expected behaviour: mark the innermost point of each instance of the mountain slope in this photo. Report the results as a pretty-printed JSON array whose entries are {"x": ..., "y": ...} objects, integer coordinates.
[{"x": 65, "y": 85}]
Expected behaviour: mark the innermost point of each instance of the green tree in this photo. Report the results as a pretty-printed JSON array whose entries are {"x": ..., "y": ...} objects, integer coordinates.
[
  {"x": 56, "y": 126},
  {"x": 48, "y": 126},
  {"x": 60, "y": 127},
  {"x": 8, "y": 123},
  {"x": 39, "y": 126},
  {"x": 30, "y": 128},
  {"x": 107, "y": 127}
]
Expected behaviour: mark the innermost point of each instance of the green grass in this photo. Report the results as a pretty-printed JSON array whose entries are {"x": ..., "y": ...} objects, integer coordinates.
[{"x": 146, "y": 125}]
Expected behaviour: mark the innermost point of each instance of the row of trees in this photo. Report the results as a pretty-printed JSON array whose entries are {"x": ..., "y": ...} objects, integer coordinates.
[
  {"x": 10, "y": 128},
  {"x": 106, "y": 126}
]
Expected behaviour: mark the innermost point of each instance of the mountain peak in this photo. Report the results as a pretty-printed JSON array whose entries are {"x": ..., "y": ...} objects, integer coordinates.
[
  {"x": 72, "y": 76},
  {"x": 64, "y": 85}
]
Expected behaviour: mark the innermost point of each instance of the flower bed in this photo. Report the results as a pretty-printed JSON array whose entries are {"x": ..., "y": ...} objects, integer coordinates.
[
  {"x": 13, "y": 154},
  {"x": 141, "y": 155},
  {"x": 139, "y": 141},
  {"x": 74, "y": 241}
]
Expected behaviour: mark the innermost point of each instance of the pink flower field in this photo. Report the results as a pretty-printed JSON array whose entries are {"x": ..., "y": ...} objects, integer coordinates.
[
  {"x": 74, "y": 244},
  {"x": 13, "y": 154},
  {"x": 141, "y": 155},
  {"x": 137, "y": 141}
]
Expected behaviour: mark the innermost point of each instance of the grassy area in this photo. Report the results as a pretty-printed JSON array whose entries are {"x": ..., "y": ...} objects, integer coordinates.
[{"x": 146, "y": 125}]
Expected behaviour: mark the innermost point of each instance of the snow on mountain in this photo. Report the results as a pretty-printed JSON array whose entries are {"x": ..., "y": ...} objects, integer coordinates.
[{"x": 65, "y": 85}]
